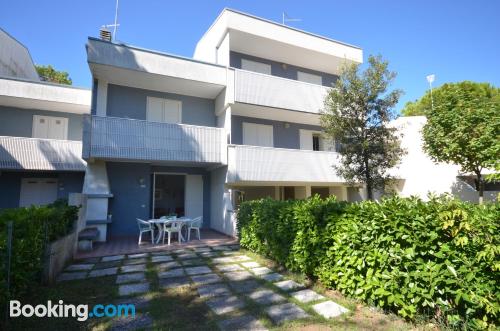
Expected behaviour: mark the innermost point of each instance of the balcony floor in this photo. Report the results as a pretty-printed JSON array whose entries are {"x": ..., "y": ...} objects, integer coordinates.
[{"x": 128, "y": 245}]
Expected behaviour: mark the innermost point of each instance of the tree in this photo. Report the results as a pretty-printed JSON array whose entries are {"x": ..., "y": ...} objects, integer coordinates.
[
  {"x": 49, "y": 74},
  {"x": 464, "y": 128},
  {"x": 422, "y": 106},
  {"x": 357, "y": 113}
]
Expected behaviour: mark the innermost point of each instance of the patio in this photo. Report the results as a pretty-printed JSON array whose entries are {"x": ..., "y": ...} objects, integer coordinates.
[{"x": 128, "y": 245}]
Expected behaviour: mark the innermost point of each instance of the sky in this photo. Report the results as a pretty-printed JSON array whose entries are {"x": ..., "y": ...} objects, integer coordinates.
[{"x": 454, "y": 39}]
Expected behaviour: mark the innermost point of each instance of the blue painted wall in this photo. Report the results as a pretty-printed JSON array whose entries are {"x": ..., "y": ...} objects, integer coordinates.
[
  {"x": 131, "y": 200},
  {"x": 18, "y": 122},
  {"x": 277, "y": 69},
  {"x": 131, "y": 103},
  {"x": 283, "y": 137},
  {"x": 10, "y": 185}
]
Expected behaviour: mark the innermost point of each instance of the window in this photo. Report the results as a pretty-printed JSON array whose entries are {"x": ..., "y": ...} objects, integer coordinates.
[
  {"x": 163, "y": 110},
  {"x": 309, "y": 78},
  {"x": 255, "y": 66},
  {"x": 49, "y": 127},
  {"x": 257, "y": 134},
  {"x": 315, "y": 141}
]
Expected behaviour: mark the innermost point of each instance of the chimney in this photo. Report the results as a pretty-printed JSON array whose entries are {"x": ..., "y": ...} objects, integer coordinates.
[{"x": 105, "y": 34}]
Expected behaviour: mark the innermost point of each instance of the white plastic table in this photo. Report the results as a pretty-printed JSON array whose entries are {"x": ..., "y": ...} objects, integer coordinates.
[{"x": 160, "y": 224}]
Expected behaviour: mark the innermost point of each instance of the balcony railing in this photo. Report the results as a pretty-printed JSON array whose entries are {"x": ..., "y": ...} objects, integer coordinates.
[
  {"x": 267, "y": 164},
  {"x": 131, "y": 139},
  {"x": 271, "y": 91},
  {"x": 20, "y": 153}
]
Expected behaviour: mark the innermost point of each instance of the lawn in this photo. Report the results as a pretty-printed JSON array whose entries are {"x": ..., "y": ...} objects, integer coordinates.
[{"x": 176, "y": 301}]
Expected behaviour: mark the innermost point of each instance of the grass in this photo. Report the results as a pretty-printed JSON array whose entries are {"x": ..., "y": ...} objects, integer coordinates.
[{"x": 182, "y": 309}]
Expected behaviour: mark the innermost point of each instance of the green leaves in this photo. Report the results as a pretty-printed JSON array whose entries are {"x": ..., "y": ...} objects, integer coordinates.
[{"x": 404, "y": 255}]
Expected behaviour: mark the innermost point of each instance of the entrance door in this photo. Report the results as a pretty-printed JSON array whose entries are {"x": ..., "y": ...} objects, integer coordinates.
[
  {"x": 168, "y": 195},
  {"x": 37, "y": 191},
  {"x": 194, "y": 196}
]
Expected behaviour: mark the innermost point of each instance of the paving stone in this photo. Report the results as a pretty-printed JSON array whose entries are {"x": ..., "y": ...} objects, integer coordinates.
[
  {"x": 229, "y": 267},
  {"x": 238, "y": 275},
  {"x": 135, "y": 261},
  {"x": 161, "y": 258},
  {"x": 226, "y": 304},
  {"x": 213, "y": 290},
  {"x": 181, "y": 251},
  {"x": 266, "y": 297},
  {"x": 251, "y": 264},
  {"x": 137, "y": 256},
  {"x": 139, "y": 302},
  {"x": 168, "y": 265},
  {"x": 79, "y": 267},
  {"x": 234, "y": 247},
  {"x": 206, "y": 279},
  {"x": 110, "y": 264},
  {"x": 193, "y": 262},
  {"x": 271, "y": 277},
  {"x": 285, "y": 312},
  {"x": 307, "y": 295},
  {"x": 245, "y": 286},
  {"x": 89, "y": 260},
  {"x": 139, "y": 321},
  {"x": 103, "y": 272},
  {"x": 241, "y": 323},
  {"x": 198, "y": 270},
  {"x": 288, "y": 285},
  {"x": 209, "y": 254},
  {"x": 130, "y": 278},
  {"x": 221, "y": 248},
  {"x": 172, "y": 273},
  {"x": 71, "y": 276},
  {"x": 186, "y": 256},
  {"x": 130, "y": 289},
  {"x": 133, "y": 268},
  {"x": 113, "y": 258},
  {"x": 225, "y": 259},
  {"x": 174, "y": 282},
  {"x": 261, "y": 271},
  {"x": 160, "y": 253},
  {"x": 329, "y": 309},
  {"x": 242, "y": 258},
  {"x": 230, "y": 253},
  {"x": 202, "y": 249}
]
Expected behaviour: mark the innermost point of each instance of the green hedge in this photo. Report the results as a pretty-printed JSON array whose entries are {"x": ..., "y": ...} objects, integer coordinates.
[
  {"x": 33, "y": 229},
  {"x": 438, "y": 259}
]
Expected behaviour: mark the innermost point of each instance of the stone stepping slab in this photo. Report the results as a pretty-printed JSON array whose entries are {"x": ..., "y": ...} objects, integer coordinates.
[
  {"x": 161, "y": 258},
  {"x": 251, "y": 264},
  {"x": 202, "y": 249},
  {"x": 221, "y": 248},
  {"x": 113, "y": 258},
  {"x": 135, "y": 261},
  {"x": 285, "y": 312},
  {"x": 172, "y": 273},
  {"x": 213, "y": 290},
  {"x": 65, "y": 276},
  {"x": 241, "y": 323},
  {"x": 271, "y": 277},
  {"x": 229, "y": 267},
  {"x": 139, "y": 302},
  {"x": 137, "y": 256},
  {"x": 89, "y": 260},
  {"x": 79, "y": 267},
  {"x": 209, "y": 254},
  {"x": 187, "y": 256},
  {"x": 167, "y": 283},
  {"x": 133, "y": 268},
  {"x": 238, "y": 275},
  {"x": 261, "y": 271},
  {"x": 225, "y": 259},
  {"x": 245, "y": 286},
  {"x": 105, "y": 265},
  {"x": 168, "y": 265},
  {"x": 193, "y": 262},
  {"x": 288, "y": 285},
  {"x": 137, "y": 322},
  {"x": 329, "y": 309},
  {"x": 130, "y": 278},
  {"x": 103, "y": 272},
  {"x": 130, "y": 289},
  {"x": 198, "y": 270},
  {"x": 205, "y": 279},
  {"x": 266, "y": 297},
  {"x": 307, "y": 295},
  {"x": 225, "y": 304},
  {"x": 160, "y": 253}
]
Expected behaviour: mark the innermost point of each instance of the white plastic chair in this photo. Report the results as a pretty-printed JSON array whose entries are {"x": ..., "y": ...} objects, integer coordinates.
[
  {"x": 145, "y": 227},
  {"x": 172, "y": 227},
  {"x": 195, "y": 224}
]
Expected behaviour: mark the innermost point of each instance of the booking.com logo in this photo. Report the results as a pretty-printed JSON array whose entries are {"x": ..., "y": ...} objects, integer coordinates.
[{"x": 60, "y": 309}]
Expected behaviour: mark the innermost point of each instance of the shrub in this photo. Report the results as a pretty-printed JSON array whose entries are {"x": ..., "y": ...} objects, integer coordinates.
[
  {"x": 439, "y": 258},
  {"x": 33, "y": 228}
]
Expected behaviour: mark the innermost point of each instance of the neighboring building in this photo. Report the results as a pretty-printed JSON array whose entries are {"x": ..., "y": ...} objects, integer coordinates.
[{"x": 40, "y": 132}]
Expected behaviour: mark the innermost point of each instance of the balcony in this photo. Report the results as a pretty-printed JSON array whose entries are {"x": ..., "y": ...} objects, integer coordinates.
[
  {"x": 19, "y": 153},
  {"x": 271, "y": 91},
  {"x": 267, "y": 164},
  {"x": 131, "y": 139}
]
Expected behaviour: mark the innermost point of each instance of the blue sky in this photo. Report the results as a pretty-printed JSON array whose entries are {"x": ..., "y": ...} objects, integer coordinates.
[{"x": 456, "y": 40}]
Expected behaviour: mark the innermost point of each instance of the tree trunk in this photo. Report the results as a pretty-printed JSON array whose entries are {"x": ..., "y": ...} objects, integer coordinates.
[
  {"x": 369, "y": 186},
  {"x": 480, "y": 186}
]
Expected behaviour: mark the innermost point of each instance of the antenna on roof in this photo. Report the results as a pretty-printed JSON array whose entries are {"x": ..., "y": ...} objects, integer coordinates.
[
  {"x": 116, "y": 24},
  {"x": 286, "y": 18}
]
